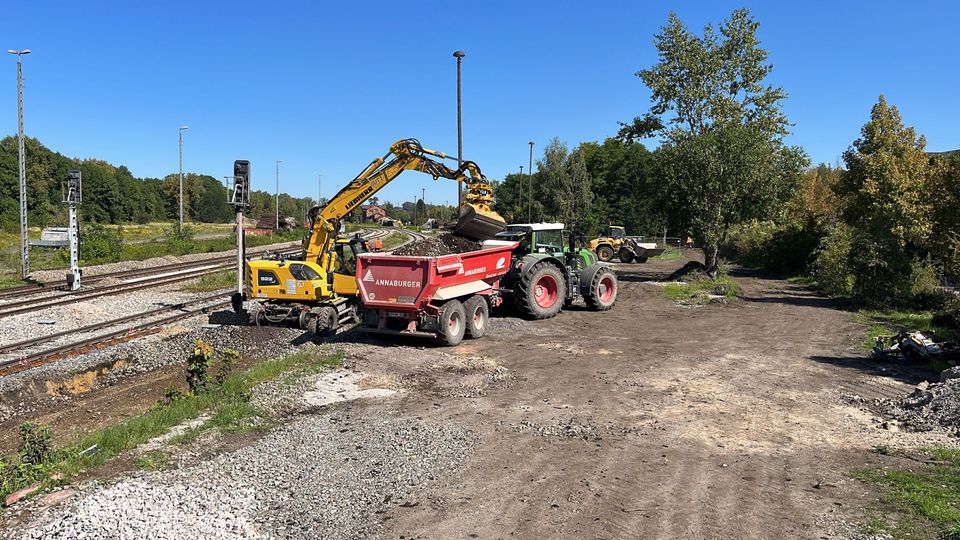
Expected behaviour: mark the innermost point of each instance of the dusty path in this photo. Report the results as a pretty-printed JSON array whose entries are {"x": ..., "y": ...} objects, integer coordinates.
[{"x": 657, "y": 421}]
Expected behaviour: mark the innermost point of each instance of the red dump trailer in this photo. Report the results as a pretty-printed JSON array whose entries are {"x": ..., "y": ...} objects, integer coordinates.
[{"x": 446, "y": 297}]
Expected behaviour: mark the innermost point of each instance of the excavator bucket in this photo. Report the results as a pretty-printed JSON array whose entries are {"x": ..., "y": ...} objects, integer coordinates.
[{"x": 477, "y": 223}]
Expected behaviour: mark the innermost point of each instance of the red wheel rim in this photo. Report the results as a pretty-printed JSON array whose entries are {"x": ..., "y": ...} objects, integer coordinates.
[
  {"x": 546, "y": 291},
  {"x": 608, "y": 289}
]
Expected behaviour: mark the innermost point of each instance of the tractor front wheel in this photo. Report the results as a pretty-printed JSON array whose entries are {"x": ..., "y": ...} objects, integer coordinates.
[
  {"x": 452, "y": 323},
  {"x": 603, "y": 290}
]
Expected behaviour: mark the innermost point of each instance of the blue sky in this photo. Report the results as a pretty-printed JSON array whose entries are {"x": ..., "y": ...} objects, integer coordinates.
[{"x": 327, "y": 86}]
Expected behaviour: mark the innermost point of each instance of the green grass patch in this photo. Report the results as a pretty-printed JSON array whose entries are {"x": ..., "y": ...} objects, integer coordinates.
[
  {"x": 927, "y": 499},
  {"x": 885, "y": 323},
  {"x": 229, "y": 406},
  {"x": 213, "y": 282},
  {"x": 153, "y": 461},
  {"x": 701, "y": 288},
  {"x": 806, "y": 281},
  {"x": 394, "y": 239},
  {"x": 669, "y": 254},
  {"x": 10, "y": 280}
]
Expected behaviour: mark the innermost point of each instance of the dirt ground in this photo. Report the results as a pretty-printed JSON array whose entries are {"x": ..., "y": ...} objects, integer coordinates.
[{"x": 649, "y": 421}]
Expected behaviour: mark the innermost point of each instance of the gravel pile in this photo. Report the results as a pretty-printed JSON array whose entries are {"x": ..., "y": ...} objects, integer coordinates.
[
  {"x": 930, "y": 406},
  {"x": 443, "y": 244},
  {"x": 317, "y": 477}
]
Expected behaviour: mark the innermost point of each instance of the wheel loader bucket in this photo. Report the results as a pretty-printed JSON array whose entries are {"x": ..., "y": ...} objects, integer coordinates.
[{"x": 478, "y": 224}]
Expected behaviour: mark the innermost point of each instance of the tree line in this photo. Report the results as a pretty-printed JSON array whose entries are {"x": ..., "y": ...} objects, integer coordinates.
[{"x": 111, "y": 194}]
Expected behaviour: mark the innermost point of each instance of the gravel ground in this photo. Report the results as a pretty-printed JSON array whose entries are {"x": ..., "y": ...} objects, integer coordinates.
[
  {"x": 320, "y": 476},
  {"x": 931, "y": 406}
]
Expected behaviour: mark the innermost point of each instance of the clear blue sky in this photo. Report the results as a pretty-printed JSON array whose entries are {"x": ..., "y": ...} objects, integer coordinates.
[{"x": 327, "y": 86}]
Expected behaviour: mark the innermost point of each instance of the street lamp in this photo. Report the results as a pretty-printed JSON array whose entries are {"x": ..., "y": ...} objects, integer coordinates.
[
  {"x": 180, "y": 131},
  {"x": 24, "y": 245},
  {"x": 277, "y": 225},
  {"x": 459, "y": 56},
  {"x": 530, "y": 187}
]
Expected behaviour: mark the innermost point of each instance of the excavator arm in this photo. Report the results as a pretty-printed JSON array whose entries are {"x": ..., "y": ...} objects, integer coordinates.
[{"x": 477, "y": 219}]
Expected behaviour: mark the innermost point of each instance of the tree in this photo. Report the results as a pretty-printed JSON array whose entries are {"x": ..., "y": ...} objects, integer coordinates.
[
  {"x": 723, "y": 156},
  {"x": 883, "y": 200},
  {"x": 563, "y": 186}
]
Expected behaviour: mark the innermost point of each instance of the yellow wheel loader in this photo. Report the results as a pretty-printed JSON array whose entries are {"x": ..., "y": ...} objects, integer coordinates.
[
  {"x": 319, "y": 290},
  {"x": 614, "y": 242}
]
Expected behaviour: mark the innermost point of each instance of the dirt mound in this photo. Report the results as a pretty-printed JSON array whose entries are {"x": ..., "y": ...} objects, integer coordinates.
[
  {"x": 930, "y": 406},
  {"x": 691, "y": 269},
  {"x": 443, "y": 244}
]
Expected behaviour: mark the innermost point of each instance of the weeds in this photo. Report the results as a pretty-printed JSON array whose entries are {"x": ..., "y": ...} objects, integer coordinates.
[
  {"x": 152, "y": 461},
  {"x": 213, "y": 282},
  {"x": 885, "y": 323},
  {"x": 927, "y": 498},
  {"x": 702, "y": 288}
]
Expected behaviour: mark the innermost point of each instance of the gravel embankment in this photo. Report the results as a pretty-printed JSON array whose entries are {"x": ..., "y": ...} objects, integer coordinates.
[{"x": 321, "y": 476}]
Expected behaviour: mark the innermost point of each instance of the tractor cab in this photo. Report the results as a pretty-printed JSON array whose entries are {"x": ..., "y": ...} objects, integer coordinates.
[{"x": 548, "y": 239}]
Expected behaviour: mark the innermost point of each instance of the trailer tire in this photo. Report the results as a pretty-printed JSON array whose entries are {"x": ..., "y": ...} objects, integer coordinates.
[
  {"x": 452, "y": 323},
  {"x": 605, "y": 253},
  {"x": 603, "y": 290},
  {"x": 541, "y": 291},
  {"x": 325, "y": 322},
  {"x": 477, "y": 316}
]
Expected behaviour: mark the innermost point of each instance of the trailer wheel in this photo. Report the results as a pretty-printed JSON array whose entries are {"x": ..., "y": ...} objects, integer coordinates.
[
  {"x": 603, "y": 290},
  {"x": 626, "y": 256},
  {"x": 452, "y": 323},
  {"x": 325, "y": 321},
  {"x": 477, "y": 315},
  {"x": 605, "y": 253},
  {"x": 541, "y": 291}
]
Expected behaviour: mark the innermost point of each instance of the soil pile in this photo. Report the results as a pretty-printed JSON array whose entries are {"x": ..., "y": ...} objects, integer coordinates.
[
  {"x": 930, "y": 405},
  {"x": 443, "y": 244},
  {"x": 691, "y": 269}
]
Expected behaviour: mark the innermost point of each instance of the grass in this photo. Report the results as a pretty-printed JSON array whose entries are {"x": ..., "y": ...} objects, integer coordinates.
[
  {"x": 213, "y": 282},
  {"x": 927, "y": 499},
  {"x": 228, "y": 405},
  {"x": 699, "y": 289},
  {"x": 394, "y": 239},
  {"x": 10, "y": 280},
  {"x": 806, "y": 281},
  {"x": 152, "y": 461},
  {"x": 669, "y": 254},
  {"x": 885, "y": 323}
]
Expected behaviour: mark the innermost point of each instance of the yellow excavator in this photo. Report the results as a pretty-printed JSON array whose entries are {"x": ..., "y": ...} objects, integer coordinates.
[{"x": 319, "y": 290}]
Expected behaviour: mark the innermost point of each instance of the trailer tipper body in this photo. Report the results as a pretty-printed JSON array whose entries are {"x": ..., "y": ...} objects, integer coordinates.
[{"x": 448, "y": 297}]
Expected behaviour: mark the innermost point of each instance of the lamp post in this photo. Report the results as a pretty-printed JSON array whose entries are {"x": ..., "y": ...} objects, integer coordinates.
[
  {"x": 530, "y": 187},
  {"x": 277, "y": 225},
  {"x": 459, "y": 56},
  {"x": 180, "y": 131},
  {"x": 24, "y": 245}
]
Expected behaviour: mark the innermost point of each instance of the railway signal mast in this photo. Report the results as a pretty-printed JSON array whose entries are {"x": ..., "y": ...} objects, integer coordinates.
[
  {"x": 239, "y": 194},
  {"x": 72, "y": 197}
]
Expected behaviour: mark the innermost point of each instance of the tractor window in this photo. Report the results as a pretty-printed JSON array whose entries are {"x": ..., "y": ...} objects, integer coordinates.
[
  {"x": 550, "y": 241},
  {"x": 266, "y": 278},
  {"x": 303, "y": 272}
]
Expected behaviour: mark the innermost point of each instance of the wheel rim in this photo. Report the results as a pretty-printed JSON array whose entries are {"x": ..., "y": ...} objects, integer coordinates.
[
  {"x": 478, "y": 318},
  {"x": 546, "y": 291},
  {"x": 608, "y": 289},
  {"x": 453, "y": 325}
]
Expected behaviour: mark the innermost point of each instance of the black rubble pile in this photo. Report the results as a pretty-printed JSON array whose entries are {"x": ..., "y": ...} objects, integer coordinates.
[
  {"x": 443, "y": 244},
  {"x": 930, "y": 406}
]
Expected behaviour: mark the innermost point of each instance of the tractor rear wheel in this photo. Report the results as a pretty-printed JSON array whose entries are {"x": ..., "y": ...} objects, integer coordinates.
[
  {"x": 605, "y": 253},
  {"x": 603, "y": 290},
  {"x": 325, "y": 321},
  {"x": 452, "y": 323},
  {"x": 541, "y": 292},
  {"x": 477, "y": 315}
]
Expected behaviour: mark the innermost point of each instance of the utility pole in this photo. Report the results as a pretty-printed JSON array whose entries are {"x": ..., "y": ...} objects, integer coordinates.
[
  {"x": 530, "y": 187},
  {"x": 180, "y": 137},
  {"x": 277, "y": 228},
  {"x": 239, "y": 199},
  {"x": 24, "y": 244},
  {"x": 520, "y": 189},
  {"x": 423, "y": 197},
  {"x": 459, "y": 56}
]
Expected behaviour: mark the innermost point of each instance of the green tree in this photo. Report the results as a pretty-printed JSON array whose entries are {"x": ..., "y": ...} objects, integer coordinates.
[
  {"x": 883, "y": 201},
  {"x": 562, "y": 186},
  {"x": 723, "y": 156}
]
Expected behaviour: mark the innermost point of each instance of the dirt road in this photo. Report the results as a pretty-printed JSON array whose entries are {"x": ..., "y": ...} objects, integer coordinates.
[{"x": 653, "y": 420}]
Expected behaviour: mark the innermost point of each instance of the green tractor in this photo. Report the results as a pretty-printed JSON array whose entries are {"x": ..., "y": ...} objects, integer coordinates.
[{"x": 549, "y": 271}]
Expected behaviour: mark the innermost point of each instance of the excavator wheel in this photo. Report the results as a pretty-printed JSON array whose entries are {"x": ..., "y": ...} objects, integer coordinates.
[
  {"x": 605, "y": 253},
  {"x": 325, "y": 321}
]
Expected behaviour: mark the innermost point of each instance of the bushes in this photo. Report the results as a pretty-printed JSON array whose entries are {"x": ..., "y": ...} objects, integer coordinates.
[
  {"x": 780, "y": 249},
  {"x": 100, "y": 244},
  {"x": 831, "y": 268}
]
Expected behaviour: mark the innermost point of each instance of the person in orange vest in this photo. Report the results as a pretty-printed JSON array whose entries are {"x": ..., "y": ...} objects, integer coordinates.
[{"x": 377, "y": 244}]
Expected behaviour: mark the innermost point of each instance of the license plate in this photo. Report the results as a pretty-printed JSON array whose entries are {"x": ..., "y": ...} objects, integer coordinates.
[{"x": 396, "y": 314}]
